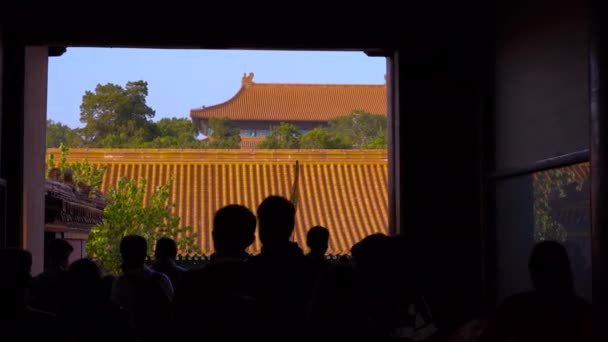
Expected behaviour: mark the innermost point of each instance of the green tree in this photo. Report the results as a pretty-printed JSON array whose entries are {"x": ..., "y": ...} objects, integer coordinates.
[
  {"x": 363, "y": 129},
  {"x": 175, "y": 133},
  {"x": 58, "y": 133},
  {"x": 283, "y": 136},
  {"x": 324, "y": 138},
  {"x": 224, "y": 134},
  {"x": 126, "y": 213},
  {"x": 177, "y": 127},
  {"x": 380, "y": 141},
  {"x": 225, "y": 143},
  {"x": 117, "y": 117}
]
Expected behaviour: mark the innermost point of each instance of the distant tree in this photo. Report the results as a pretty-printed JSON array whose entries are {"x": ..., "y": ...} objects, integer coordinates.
[
  {"x": 225, "y": 143},
  {"x": 324, "y": 138},
  {"x": 361, "y": 128},
  {"x": 223, "y": 128},
  {"x": 117, "y": 117},
  {"x": 175, "y": 133},
  {"x": 283, "y": 136},
  {"x": 378, "y": 142},
  {"x": 58, "y": 133},
  {"x": 177, "y": 127},
  {"x": 224, "y": 134}
]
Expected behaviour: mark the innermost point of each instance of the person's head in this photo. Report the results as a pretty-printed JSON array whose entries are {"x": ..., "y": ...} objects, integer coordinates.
[
  {"x": 166, "y": 248},
  {"x": 549, "y": 267},
  {"x": 84, "y": 271},
  {"x": 58, "y": 253},
  {"x": 233, "y": 229},
  {"x": 84, "y": 278},
  {"x": 133, "y": 249},
  {"x": 276, "y": 218},
  {"x": 15, "y": 268},
  {"x": 317, "y": 239},
  {"x": 373, "y": 253}
]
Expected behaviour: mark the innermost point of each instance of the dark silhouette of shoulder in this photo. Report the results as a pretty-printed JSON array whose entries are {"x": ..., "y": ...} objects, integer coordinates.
[
  {"x": 218, "y": 302},
  {"x": 531, "y": 316},
  {"x": 552, "y": 311}
]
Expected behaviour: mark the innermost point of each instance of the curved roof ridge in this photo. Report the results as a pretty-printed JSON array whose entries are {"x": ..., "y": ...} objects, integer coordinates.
[
  {"x": 341, "y": 85},
  {"x": 255, "y": 84},
  {"x": 233, "y": 98},
  {"x": 313, "y": 102}
]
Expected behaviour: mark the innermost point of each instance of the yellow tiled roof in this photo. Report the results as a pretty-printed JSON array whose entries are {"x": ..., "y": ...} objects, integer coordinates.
[
  {"x": 344, "y": 190},
  {"x": 297, "y": 102}
]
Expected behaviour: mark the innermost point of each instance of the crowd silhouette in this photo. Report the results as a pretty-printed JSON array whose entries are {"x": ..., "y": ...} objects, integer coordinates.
[{"x": 280, "y": 294}]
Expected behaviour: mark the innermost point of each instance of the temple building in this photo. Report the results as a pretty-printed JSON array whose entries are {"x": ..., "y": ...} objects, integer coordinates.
[
  {"x": 344, "y": 190},
  {"x": 70, "y": 213},
  {"x": 257, "y": 107}
]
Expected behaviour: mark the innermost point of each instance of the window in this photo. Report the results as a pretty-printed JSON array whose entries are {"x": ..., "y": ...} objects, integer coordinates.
[{"x": 553, "y": 204}]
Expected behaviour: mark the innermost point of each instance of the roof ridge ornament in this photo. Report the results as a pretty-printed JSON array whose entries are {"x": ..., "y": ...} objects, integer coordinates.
[{"x": 247, "y": 79}]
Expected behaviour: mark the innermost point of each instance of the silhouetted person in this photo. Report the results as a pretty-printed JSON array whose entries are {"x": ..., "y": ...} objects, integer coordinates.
[
  {"x": 344, "y": 259},
  {"x": 317, "y": 240},
  {"x": 48, "y": 288},
  {"x": 398, "y": 310},
  {"x": 550, "y": 312},
  {"x": 233, "y": 231},
  {"x": 413, "y": 289},
  {"x": 18, "y": 322},
  {"x": 88, "y": 314},
  {"x": 285, "y": 276},
  {"x": 218, "y": 301},
  {"x": 143, "y": 292},
  {"x": 337, "y": 310},
  {"x": 107, "y": 283},
  {"x": 164, "y": 260}
]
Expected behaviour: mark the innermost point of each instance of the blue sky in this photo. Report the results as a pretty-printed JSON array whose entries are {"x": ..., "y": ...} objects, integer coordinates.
[{"x": 179, "y": 80}]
